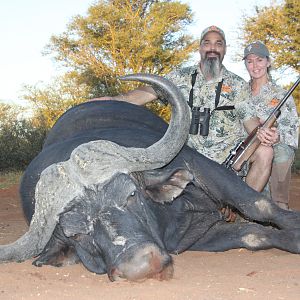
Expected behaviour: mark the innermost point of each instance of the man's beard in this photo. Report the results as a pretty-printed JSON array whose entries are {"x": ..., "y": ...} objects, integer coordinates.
[{"x": 211, "y": 67}]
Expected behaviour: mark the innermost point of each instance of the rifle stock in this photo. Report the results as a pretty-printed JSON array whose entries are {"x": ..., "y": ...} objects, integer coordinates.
[
  {"x": 241, "y": 153},
  {"x": 249, "y": 145}
]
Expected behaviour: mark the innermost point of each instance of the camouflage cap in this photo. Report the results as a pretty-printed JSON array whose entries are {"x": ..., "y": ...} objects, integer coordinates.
[
  {"x": 258, "y": 48},
  {"x": 212, "y": 28}
]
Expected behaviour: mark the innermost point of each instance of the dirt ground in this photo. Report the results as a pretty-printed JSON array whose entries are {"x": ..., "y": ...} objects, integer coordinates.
[{"x": 235, "y": 274}]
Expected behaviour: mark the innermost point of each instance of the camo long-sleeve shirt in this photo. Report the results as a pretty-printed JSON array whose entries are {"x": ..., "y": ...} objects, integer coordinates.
[
  {"x": 225, "y": 128},
  {"x": 264, "y": 103}
]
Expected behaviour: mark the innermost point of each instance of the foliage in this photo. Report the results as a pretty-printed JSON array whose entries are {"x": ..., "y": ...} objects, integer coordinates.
[
  {"x": 296, "y": 96},
  {"x": 52, "y": 100},
  {"x": 8, "y": 113},
  {"x": 119, "y": 37},
  {"x": 163, "y": 111},
  {"x": 20, "y": 140},
  {"x": 278, "y": 26},
  {"x": 116, "y": 37}
]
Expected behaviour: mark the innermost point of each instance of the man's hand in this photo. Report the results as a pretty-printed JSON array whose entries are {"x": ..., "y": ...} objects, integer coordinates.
[
  {"x": 139, "y": 96},
  {"x": 268, "y": 136},
  {"x": 101, "y": 98}
]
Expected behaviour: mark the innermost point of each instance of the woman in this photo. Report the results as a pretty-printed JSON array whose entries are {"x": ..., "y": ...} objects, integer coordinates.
[{"x": 264, "y": 95}]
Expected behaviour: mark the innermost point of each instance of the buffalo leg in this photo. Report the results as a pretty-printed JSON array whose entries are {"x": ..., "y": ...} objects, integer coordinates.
[
  {"x": 225, "y": 236},
  {"x": 255, "y": 207},
  {"x": 225, "y": 188}
]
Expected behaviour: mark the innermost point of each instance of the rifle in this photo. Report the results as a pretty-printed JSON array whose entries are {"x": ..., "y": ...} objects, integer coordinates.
[{"x": 240, "y": 154}]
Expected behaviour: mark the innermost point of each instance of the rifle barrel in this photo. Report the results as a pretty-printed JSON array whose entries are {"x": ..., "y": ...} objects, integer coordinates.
[{"x": 288, "y": 94}]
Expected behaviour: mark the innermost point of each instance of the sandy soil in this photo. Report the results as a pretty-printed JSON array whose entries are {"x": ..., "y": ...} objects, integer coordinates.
[{"x": 235, "y": 274}]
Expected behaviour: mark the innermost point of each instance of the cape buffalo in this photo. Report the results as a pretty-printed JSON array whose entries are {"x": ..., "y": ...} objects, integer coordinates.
[{"x": 116, "y": 189}]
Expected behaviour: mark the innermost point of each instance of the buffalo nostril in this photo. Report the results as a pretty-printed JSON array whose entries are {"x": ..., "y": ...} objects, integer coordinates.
[
  {"x": 115, "y": 275},
  {"x": 147, "y": 262},
  {"x": 165, "y": 274},
  {"x": 155, "y": 262},
  {"x": 161, "y": 267}
]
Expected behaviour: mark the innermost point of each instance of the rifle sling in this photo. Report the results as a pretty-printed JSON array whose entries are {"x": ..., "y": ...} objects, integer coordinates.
[
  {"x": 217, "y": 99},
  {"x": 191, "y": 95},
  {"x": 218, "y": 94}
]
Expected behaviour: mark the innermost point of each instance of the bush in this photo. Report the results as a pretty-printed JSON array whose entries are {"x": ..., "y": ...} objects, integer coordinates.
[
  {"x": 20, "y": 142},
  {"x": 162, "y": 110}
]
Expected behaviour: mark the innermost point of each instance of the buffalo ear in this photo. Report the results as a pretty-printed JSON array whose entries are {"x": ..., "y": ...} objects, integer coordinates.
[
  {"x": 77, "y": 217},
  {"x": 165, "y": 186},
  {"x": 74, "y": 222}
]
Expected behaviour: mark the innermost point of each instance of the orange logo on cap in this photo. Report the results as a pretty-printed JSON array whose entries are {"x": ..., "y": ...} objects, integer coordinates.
[{"x": 273, "y": 102}]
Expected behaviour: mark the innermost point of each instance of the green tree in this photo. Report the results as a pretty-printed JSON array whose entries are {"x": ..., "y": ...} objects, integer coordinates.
[
  {"x": 278, "y": 27},
  {"x": 8, "y": 113},
  {"x": 115, "y": 38},
  {"x": 118, "y": 37}
]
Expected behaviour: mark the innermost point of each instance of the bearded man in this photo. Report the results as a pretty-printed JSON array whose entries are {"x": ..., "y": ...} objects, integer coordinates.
[{"x": 218, "y": 95}]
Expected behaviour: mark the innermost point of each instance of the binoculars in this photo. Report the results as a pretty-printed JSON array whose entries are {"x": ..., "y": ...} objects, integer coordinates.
[{"x": 200, "y": 119}]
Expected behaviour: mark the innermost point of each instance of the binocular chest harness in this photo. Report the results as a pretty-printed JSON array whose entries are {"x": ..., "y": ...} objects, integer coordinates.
[{"x": 201, "y": 118}]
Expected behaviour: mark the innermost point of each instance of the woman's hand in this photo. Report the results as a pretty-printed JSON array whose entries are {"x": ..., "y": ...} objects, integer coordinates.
[{"x": 268, "y": 136}]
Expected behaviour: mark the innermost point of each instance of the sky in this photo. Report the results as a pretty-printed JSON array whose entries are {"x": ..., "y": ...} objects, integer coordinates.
[{"x": 26, "y": 28}]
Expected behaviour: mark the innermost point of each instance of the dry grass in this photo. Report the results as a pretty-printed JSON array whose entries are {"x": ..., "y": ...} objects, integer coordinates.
[{"x": 8, "y": 179}]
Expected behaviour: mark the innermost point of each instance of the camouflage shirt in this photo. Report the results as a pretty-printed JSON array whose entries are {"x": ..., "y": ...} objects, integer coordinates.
[
  {"x": 225, "y": 129},
  {"x": 262, "y": 106}
]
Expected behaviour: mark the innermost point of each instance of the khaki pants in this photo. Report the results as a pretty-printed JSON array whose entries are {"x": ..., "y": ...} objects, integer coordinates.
[{"x": 280, "y": 178}]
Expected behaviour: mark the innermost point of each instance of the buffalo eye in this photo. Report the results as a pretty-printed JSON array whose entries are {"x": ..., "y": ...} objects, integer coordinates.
[
  {"x": 132, "y": 197},
  {"x": 129, "y": 200}
]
